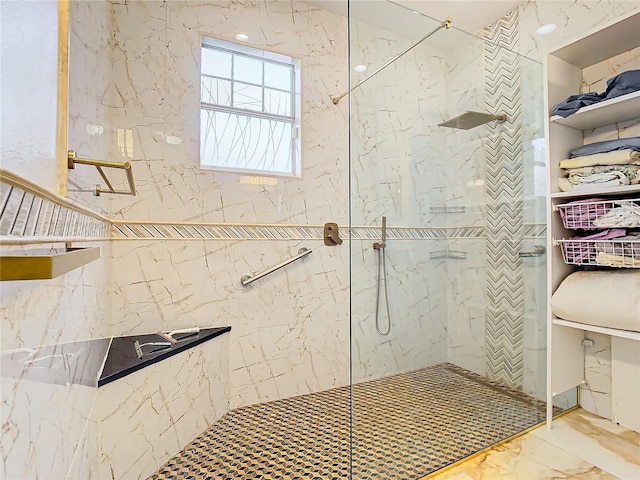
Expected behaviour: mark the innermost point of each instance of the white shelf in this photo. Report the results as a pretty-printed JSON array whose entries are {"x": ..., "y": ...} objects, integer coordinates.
[
  {"x": 602, "y": 42},
  {"x": 618, "y": 109},
  {"x": 597, "y": 193},
  {"x": 614, "y": 332}
]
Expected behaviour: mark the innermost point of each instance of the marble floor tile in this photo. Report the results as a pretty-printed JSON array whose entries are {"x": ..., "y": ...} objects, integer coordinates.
[{"x": 579, "y": 446}]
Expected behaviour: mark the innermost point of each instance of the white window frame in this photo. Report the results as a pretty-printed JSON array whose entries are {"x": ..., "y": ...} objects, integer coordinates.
[{"x": 265, "y": 56}]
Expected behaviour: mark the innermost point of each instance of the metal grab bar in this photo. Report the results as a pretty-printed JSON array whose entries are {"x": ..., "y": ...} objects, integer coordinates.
[
  {"x": 72, "y": 159},
  {"x": 248, "y": 279}
]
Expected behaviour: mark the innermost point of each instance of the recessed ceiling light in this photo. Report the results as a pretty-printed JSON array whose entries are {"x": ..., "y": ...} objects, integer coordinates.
[
  {"x": 546, "y": 29},
  {"x": 173, "y": 140},
  {"x": 243, "y": 37},
  {"x": 360, "y": 68}
]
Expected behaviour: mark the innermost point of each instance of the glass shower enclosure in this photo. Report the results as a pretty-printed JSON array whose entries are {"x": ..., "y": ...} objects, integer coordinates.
[{"x": 447, "y": 241}]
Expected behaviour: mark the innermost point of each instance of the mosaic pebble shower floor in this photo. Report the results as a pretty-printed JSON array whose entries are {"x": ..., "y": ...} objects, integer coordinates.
[{"x": 404, "y": 427}]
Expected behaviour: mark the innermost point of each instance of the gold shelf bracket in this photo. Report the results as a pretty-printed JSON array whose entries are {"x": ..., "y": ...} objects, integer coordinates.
[{"x": 73, "y": 159}]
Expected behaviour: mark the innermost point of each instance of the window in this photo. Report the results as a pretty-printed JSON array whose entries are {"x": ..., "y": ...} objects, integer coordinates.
[{"x": 250, "y": 109}]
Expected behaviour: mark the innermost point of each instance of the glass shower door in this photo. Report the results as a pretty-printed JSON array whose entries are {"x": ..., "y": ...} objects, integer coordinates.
[{"x": 448, "y": 312}]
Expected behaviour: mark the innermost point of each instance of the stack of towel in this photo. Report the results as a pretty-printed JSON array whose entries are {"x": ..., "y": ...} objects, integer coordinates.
[
  {"x": 622, "y": 84},
  {"x": 601, "y": 165}
]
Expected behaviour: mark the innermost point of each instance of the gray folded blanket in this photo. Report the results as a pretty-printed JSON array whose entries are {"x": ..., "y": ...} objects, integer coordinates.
[{"x": 631, "y": 143}]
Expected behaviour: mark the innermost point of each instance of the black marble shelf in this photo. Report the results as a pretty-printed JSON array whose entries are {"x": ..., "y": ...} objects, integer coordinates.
[
  {"x": 122, "y": 358},
  {"x": 82, "y": 362}
]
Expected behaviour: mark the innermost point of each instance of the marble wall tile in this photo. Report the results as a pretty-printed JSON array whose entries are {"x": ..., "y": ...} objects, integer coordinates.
[
  {"x": 44, "y": 426},
  {"x": 149, "y": 415},
  {"x": 417, "y": 309},
  {"x": 595, "y": 394},
  {"x": 161, "y": 41},
  {"x": 75, "y": 303},
  {"x": 573, "y": 19},
  {"x": 289, "y": 330},
  {"x": 89, "y": 121},
  {"x": 465, "y": 292}
]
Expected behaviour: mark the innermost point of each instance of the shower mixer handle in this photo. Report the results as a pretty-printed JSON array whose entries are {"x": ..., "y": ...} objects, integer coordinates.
[{"x": 383, "y": 242}]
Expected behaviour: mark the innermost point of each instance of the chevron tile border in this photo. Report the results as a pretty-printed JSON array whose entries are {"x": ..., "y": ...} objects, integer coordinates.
[
  {"x": 205, "y": 231},
  {"x": 27, "y": 215},
  {"x": 504, "y": 186}
]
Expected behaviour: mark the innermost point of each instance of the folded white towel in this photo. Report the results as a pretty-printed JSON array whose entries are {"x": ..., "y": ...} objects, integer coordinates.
[
  {"x": 617, "y": 157},
  {"x": 586, "y": 183}
]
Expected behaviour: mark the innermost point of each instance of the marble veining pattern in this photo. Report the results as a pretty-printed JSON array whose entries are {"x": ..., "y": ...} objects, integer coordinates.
[{"x": 580, "y": 445}]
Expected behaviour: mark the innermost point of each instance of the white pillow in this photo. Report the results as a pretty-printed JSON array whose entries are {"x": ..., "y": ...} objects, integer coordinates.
[{"x": 605, "y": 299}]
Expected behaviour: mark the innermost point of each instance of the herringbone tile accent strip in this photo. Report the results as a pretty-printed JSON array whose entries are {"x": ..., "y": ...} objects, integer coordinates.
[
  {"x": 505, "y": 229},
  {"x": 27, "y": 215}
]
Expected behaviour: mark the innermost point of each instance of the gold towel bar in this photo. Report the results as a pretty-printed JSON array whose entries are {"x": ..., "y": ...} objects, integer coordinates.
[{"x": 126, "y": 166}]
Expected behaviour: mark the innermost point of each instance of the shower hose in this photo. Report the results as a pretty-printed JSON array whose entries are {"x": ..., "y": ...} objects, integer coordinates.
[{"x": 382, "y": 262}]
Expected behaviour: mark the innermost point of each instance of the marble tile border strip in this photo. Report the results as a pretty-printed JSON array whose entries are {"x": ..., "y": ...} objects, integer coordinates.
[
  {"x": 125, "y": 230},
  {"x": 31, "y": 214}
]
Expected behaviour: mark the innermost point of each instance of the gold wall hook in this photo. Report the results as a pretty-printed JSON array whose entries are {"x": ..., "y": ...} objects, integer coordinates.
[{"x": 332, "y": 235}]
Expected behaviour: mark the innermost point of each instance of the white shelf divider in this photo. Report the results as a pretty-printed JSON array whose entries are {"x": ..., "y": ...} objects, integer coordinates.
[
  {"x": 618, "y": 109},
  {"x": 623, "y": 190},
  {"x": 614, "y": 332}
]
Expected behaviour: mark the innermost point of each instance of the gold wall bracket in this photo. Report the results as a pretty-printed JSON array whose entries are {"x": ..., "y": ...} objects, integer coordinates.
[
  {"x": 331, "y": 235},
  {"x": 44, "y": 267},
  {"x": 72, "y": 159}
]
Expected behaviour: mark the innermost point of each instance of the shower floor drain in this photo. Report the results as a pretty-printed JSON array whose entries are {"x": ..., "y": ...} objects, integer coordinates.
[{"x": 404, "y": 427}]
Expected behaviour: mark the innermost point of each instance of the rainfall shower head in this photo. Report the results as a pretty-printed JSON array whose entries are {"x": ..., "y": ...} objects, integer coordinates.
[{"x": 470, "y": 120}]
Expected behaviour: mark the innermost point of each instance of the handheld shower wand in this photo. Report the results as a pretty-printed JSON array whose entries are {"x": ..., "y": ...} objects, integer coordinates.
[
  {"x": 383, "y": 243},
  {"x": 380, "y": 246}
]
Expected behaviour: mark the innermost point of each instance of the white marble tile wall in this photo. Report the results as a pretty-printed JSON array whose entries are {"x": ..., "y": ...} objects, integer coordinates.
[
  {"x": 47, "y": 425},
  {"x": 466, "y": 303},
  {"x": 89, "y": 120},
  {"x": 595, "y": 394},
  {"x": 290, "y": 330},
  {"x": 149, "y": 415},
  {"x": 417, "y": 307},
  {"x": 395, "y": 147},
  {"x": 156, "y": 76},
  {"x": 573, "y": 19}
]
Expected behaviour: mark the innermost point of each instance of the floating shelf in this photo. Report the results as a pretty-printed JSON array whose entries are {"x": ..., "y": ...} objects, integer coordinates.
[
  {"x": 615, "y": 110},
  {"x": 614, "y": 332},
  {"x": 44, "y": 267},
  {"x": 597, "y": 193}
]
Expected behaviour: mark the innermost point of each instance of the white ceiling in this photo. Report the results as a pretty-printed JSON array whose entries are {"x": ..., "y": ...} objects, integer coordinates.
[{"x": 468, "y": 15}]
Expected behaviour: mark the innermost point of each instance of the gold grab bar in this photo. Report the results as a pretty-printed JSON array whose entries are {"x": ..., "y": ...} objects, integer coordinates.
[
  {"x": 72, "y": 159},
  {"x": 248, "y": 279}
]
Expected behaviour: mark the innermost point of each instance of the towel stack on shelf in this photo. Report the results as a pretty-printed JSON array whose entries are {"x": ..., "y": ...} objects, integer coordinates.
[{"x": 601, "y": 165}]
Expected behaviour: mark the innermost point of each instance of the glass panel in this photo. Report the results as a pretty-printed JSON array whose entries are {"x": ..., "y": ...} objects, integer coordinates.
[
  {"x": 216, "y": 63},
  {"x": 247, "y": 96},
  {"x": 447, "y": 318},
  {"x": 247, "y": 69},
  {"x": 238, "y": 141},
  {"x": 277, "y": 76},
  {"x": 277, "y": 102},
  {"x": 216, "y": 91}
]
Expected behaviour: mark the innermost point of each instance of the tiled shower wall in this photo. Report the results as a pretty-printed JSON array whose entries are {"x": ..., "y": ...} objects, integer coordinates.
[{"x": 74, "y": 305}]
